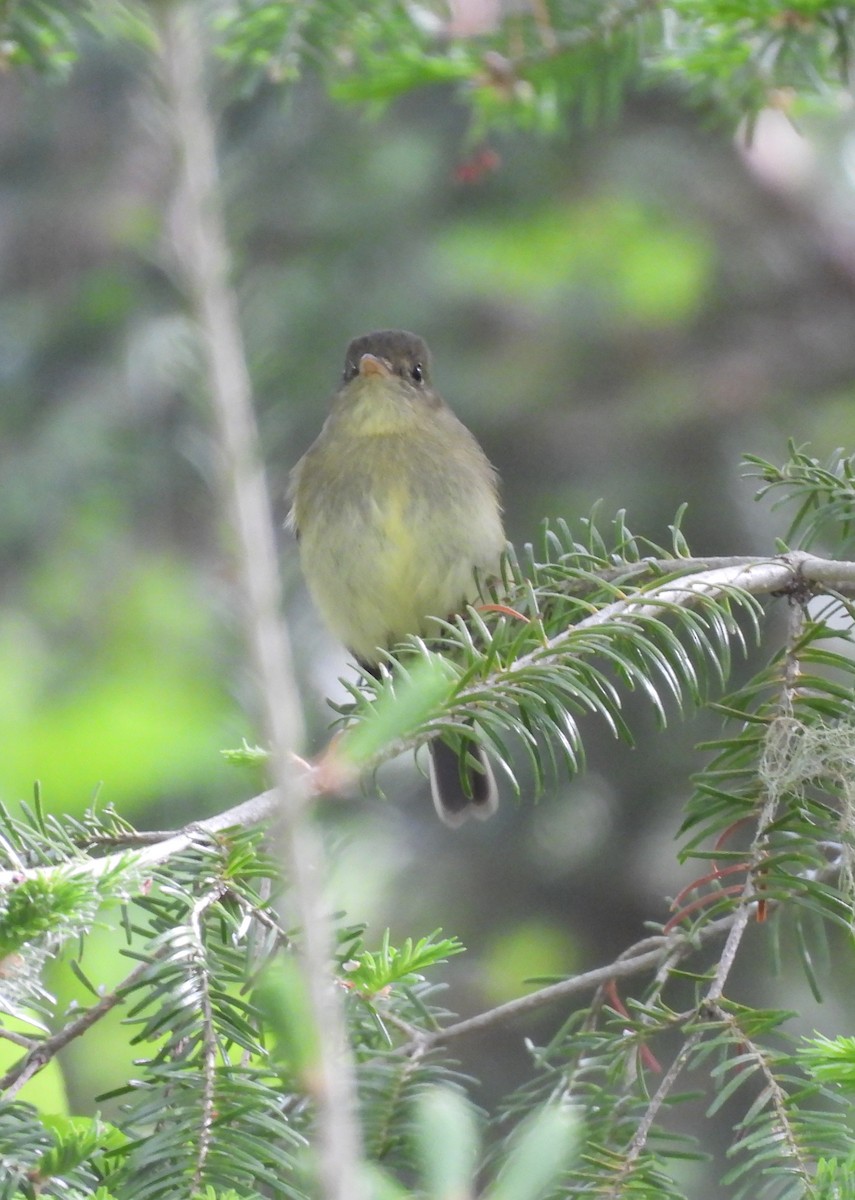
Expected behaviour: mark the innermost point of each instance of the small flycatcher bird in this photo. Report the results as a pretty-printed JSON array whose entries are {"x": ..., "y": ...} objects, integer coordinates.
[{"x": 396, "y": 508}]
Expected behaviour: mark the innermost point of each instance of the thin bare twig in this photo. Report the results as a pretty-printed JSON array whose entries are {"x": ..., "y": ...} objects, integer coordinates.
[
  {"x": 201, "y": 245},
  {"x": 18, "y": 1039},
  {"x": 631, "y": 962}
]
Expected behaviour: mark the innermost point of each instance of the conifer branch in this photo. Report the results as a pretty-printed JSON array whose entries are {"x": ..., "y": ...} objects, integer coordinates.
[
  {"x": 209, "y": 1040},
  {"x": 780, "y": 574},
  {"x": 756, "y": 576},
  {"x": 772, "y": 1092},
  {"x": 709, "y": 1006},
  {"x": 246, "y": 815},
  {"x": 639, "y": 1139}
]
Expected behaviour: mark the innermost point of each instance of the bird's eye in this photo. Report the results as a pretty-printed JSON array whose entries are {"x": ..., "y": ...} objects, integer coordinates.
[
  {"x": 350, "y": 371},
  {"x": 418, "y": 373}
]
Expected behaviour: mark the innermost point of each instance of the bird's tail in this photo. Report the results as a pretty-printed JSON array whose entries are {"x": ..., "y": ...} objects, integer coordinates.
[{"x": 461, "y": 789}]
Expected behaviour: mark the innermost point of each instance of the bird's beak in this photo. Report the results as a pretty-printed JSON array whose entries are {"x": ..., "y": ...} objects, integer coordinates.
[{"x": 370, "y": 364}]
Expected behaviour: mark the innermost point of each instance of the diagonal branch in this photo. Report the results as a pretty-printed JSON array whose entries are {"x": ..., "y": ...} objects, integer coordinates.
[
  {"x": 642, "y": 1133},
  {"x": 42, "y": 1052},
  {"x": 647, "y": 955}
]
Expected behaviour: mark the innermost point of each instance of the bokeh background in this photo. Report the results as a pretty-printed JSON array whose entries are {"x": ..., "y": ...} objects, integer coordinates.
[{"x": 619, "y": 313}]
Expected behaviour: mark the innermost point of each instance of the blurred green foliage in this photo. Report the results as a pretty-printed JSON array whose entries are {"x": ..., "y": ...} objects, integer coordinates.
[
  {"x": 640, "y": 266},
  {"x": 141, "y": 708},
  {"x": 46, "y": 37},
  {"x": 531, "y": 951}
]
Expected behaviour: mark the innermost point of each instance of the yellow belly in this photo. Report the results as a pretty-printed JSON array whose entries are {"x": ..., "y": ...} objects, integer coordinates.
[{"x": 378, "y": 575}]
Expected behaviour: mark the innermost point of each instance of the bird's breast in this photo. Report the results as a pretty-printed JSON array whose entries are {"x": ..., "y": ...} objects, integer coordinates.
[{"x": 396, "y": 538}]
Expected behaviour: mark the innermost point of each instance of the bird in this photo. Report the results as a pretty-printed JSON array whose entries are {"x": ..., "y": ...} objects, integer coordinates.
[{"x": 397, "y": 516}]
